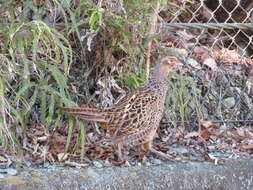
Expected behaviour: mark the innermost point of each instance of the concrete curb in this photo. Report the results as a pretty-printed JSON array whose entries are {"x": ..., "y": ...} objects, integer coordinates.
[{"x": 234, "y": 175}]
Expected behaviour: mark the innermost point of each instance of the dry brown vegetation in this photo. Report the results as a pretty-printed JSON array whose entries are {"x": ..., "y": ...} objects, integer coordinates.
[{"x": 63, "y": 53}]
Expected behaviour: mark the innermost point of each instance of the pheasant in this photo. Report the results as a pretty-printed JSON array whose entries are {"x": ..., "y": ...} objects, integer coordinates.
[{"x": 135, "y": 118}]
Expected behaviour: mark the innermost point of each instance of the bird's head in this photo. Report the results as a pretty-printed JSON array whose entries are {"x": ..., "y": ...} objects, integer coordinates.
[
  {"x": 165, "y": 65},
  {"x": 168, "y": 63}
]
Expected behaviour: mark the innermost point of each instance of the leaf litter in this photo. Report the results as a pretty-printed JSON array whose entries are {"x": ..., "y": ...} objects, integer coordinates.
[
  {"x": 211, "y": 142},
  {"x": 207, "y": 140}
]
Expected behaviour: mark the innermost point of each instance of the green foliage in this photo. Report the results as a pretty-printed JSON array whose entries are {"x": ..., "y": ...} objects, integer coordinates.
[
  {"x": 133, "y": 80},
  {"x": 35, "y": 61},
  {"x": 36, "y": 55},
  {"x": 40, "y": 40},
  {"x": 95, "y": 18},
  {"x": 183, "y": 97}
]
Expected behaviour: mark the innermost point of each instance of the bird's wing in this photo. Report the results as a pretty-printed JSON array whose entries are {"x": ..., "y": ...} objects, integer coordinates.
[{"x": 133, "y": 113}]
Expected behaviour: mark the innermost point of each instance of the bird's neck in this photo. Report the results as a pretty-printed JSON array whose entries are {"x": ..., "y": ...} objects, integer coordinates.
[
  {"x": 158, "y": 82},
  {"x": 159, "y": 74}
]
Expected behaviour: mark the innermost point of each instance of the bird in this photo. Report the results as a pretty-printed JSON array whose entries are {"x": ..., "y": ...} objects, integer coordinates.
[{"x": 135, "y": 118}]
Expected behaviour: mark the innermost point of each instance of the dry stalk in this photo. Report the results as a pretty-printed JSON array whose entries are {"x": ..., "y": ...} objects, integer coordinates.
[{"x": 153, "y": 21}]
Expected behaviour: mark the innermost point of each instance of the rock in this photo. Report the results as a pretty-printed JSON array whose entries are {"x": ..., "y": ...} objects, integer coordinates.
[
  {"x": 211, "y": 147},
  {"x": 193, "y": 63},
  {"x": 180, "y": 150},
  {"x": 175, "y": 145},
  {"x": 155, "y": 161},
  {"x": 211, "y": 63},
  {"x": 46, "y": 165},
  {"x": 9, "y": 171},
  {"x": 107, "y": 163},
  {"x": 229, "y": 102},
  {"x": 97, "y": 164},
  {"x": 197, "y": 158}
]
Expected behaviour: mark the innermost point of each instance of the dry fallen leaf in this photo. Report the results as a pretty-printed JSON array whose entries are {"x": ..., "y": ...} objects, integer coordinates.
[
  {"x": 3, "y": 159},
  {"x": 191, "y": 134},
  {"x": 208, "y": 129},
  {"x": 205, "y": 134},
  {"x": 247, "y": 146},
  {"x": 42, "y": 139},
  {"x": 239, "y": 133},
  {"x": 211, "y": 158},
  {"x": 201, "y": 53},
  {"x": 208, "y": 124},
  {"x": 62, "y": 156},
  {"x": 230, "y": 56},
  {"x": 211, "y": 63}
]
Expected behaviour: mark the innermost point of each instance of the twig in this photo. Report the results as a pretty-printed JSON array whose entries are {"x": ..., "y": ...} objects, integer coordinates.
[{"x": 153, "y": 22}]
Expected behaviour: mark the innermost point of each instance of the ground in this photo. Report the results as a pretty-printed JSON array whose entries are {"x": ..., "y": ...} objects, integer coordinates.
[{"x": 232, "y": 175}]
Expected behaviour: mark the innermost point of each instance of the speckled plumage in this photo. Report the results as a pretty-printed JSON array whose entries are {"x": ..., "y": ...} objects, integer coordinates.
[{"x": 135, "y": 118}]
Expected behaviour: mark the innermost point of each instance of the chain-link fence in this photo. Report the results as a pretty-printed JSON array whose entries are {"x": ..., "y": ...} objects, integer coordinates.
[
  {"x": 216, "y": 23},
  {"x": 217, "y": 35}
]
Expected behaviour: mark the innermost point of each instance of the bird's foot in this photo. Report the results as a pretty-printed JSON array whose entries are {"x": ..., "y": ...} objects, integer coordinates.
[
  {"x": 161, "y": 154},
  {"x": 119, "y": 152}
]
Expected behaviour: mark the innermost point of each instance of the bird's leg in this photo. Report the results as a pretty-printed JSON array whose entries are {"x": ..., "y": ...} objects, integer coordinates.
[
  {"x": 148, "y": 146},
  {"x": 119, "y": 151}
]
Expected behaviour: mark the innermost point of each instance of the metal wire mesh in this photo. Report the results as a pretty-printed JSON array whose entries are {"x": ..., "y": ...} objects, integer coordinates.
[
  {"x": 227, "y": 23},
  {"x": 217, "y": 34}
]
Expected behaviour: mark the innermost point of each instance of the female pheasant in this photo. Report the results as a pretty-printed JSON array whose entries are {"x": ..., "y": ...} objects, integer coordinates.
[{"x": 135, "y": 118}]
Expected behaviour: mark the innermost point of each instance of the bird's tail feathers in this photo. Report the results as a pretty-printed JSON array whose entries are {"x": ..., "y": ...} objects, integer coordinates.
[{"x": 86, "y": 113}]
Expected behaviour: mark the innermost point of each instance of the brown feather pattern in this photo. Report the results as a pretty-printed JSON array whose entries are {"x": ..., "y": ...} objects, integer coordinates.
[{"x": 135, "y": 118}]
